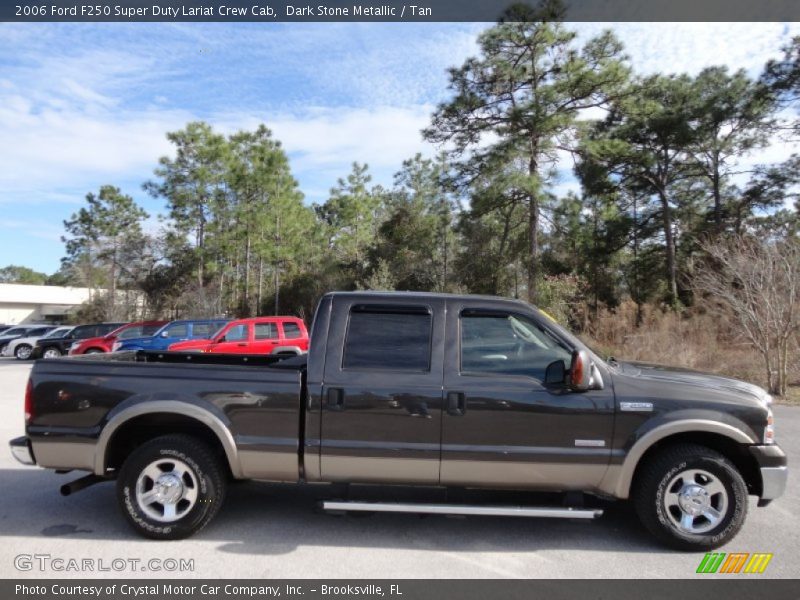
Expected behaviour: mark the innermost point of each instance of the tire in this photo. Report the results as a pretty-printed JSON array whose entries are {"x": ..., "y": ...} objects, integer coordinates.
[
  {"x": 690, "y": 498},
  {"x": 194, "y": 466},
  {"x": 51, "y": 352},
  {"x": 23, "y": 351}
]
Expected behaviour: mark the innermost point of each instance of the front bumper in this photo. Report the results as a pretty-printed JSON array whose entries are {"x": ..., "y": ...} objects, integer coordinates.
[
  {"x": 22, "y": 451},
  {"x": 772, "y": 464}
]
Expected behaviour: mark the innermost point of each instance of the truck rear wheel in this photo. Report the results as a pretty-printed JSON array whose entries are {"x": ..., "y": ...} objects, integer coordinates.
[
  {"x": 691, "y": 498},
  {"x": 171, "y": 487}
]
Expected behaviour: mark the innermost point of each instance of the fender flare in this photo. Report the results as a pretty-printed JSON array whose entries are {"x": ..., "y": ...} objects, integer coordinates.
[
  {"x": 293, "y": 349},
  {"x": 176, "y": 407},
  {"x": 618, "y": 480}
]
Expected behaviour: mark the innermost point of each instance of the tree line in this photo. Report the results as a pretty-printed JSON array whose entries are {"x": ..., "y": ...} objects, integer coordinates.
[{"x": 665, "y": 165}]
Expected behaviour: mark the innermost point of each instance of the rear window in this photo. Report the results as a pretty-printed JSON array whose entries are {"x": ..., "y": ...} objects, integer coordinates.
[
  {"x": 393, "y": 339},
  {"x": 291, "y": 330}
]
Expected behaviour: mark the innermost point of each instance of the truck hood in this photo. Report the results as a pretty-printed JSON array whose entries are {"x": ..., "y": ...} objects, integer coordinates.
[{"x": 686, "y": 376}]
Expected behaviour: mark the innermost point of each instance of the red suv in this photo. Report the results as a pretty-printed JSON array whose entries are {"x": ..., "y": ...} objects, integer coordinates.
[
  {"x": 257, "y": 335},
  {"x": 98, "y": 345}
]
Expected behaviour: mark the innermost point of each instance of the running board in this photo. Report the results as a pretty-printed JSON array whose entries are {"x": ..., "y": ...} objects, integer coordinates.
[{"x": 466, "y": 509}]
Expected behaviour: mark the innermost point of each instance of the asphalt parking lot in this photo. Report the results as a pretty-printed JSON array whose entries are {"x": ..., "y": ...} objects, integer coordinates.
[{"x": 275, "y": 531}]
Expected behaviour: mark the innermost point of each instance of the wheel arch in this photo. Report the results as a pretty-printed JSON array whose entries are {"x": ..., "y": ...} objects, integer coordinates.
[
  {"x": 144, "y": 421},
  {"x": 724, "y": 438}
]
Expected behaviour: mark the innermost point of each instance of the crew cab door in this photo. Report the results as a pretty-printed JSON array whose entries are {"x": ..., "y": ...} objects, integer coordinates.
[
  {"x": 502, "y": 425},
  {"x": 382, "y": 391}
]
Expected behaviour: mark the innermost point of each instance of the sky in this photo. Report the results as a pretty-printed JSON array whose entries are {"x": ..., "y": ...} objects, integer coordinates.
[{"x": 84, "y": 105}]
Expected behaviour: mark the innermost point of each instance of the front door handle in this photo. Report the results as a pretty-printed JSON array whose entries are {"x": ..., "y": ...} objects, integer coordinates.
[
  {"x": 335, "y": 399},
  {"x": 456, "y": 404}
]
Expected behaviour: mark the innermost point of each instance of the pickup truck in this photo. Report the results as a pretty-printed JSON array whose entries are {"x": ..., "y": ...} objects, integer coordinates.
[{"x": 418, "y": 390}]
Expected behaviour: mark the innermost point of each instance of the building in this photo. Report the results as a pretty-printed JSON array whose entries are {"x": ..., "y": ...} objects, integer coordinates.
[{"x": 38, "y": 303}]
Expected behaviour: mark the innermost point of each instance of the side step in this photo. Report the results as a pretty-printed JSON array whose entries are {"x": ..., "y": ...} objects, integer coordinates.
[{"x": 466, "y": 509}]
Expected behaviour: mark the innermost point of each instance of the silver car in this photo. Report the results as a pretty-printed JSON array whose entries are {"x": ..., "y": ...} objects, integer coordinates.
[{"x": 22, "y": 347}]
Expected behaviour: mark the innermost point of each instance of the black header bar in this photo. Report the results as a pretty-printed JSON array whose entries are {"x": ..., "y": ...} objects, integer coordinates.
[{"x": 272, "y": 11}]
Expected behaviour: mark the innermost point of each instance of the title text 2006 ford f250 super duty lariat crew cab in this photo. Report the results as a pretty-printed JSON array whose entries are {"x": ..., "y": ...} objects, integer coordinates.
[{"x": 412, "y": 389}]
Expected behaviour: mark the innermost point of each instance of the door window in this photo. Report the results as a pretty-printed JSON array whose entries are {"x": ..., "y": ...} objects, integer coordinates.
[
  {"x": 237, "y": 333},
  {"x": 508, "y": 344},
  {"x": 131, "y": 332},
  {"x": 178, "y": 330},
  {"x": 388, "y": 339},
  {"x": 266, "y": 331},
  {"x": 204, "y": 330}
]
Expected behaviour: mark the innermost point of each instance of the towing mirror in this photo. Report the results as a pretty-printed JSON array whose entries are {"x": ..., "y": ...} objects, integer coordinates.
[
  {"x": 555, "y": 373},
  {"x": 580, "y": 371}
]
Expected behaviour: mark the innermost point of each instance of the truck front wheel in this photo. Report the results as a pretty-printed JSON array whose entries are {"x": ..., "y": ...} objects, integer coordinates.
[
  {"x": 691, "y": 497},
  {"x": 171, "y": 487}
]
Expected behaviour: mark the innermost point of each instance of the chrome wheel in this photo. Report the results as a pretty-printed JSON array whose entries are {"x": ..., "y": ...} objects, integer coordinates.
[
  {"x": 166, "y": 490},
  {"x": 51, "y": 353},
  {"x": 23, "y": 352},
  {"x": 695, "y": 501}
]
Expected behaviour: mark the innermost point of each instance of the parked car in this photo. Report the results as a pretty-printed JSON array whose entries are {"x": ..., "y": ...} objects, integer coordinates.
[
  {"x": 99, "y": 345},
  {"x": 22, "y": 348},
  {"x": 419, "y": 390},
  {"x": 55, "y": 347},
  {"x": 171, "y": 333},
  {"x": 256, "y": 335},
  {"x": 23, "y": 331}
]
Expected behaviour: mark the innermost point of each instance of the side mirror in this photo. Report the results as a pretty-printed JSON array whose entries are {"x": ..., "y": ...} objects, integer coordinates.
[
  {"x": 555, "y": 373},
  {"x": 164, "y": 334},
  {"x": 220, "y": 340},
  {"x": 580, "y": 371}
]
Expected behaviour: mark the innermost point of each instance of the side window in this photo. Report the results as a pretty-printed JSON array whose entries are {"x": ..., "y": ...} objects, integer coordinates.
[
  {"x": 266, "y": 331},
  {"x": 131, "y": 333},
  {"x": 291, "y": 331},
  {"x": 202, "y": 330},
  {"x": 80, "y": 333},
  {"x": 178, "y": 330},
  {"x": 508, "y": 344},
  {"x": 237, "y": 333},
  {"x": 396, "y": 340}
]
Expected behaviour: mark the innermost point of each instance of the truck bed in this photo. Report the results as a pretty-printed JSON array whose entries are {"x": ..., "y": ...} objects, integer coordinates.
[{"x": 76, "y": 402}]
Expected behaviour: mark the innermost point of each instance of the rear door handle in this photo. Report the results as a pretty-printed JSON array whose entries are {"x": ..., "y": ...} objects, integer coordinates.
[
  {"x": 456, "y": 404},
  {"x": 335, "y": 399}
]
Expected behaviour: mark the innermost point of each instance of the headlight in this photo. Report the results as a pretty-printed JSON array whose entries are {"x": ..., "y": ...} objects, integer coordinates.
[{"x": 769, "y": 430}]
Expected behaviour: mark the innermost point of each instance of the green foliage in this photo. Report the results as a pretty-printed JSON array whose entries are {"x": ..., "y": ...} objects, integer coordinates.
[{"x": 22, "y": 275}]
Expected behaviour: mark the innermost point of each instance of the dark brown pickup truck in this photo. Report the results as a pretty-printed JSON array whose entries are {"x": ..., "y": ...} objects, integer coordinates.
[{"x": 418, "y": 390}]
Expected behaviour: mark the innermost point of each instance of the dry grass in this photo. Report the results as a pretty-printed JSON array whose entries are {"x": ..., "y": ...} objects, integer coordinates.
[{"x": 693, "y": 339}]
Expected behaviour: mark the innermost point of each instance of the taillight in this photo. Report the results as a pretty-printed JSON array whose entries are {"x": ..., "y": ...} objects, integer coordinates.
[{"x": 29, "y": 401}]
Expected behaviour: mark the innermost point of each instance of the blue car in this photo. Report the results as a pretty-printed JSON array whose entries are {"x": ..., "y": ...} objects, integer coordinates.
[{"x": 176, "y": 331}]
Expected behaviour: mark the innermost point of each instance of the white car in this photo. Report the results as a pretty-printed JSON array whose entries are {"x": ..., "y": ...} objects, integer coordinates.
[{"x": 23, "y": 347}]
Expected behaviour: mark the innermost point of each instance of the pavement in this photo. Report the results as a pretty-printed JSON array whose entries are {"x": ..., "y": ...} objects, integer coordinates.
[{"x": 275, "y": 531}]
